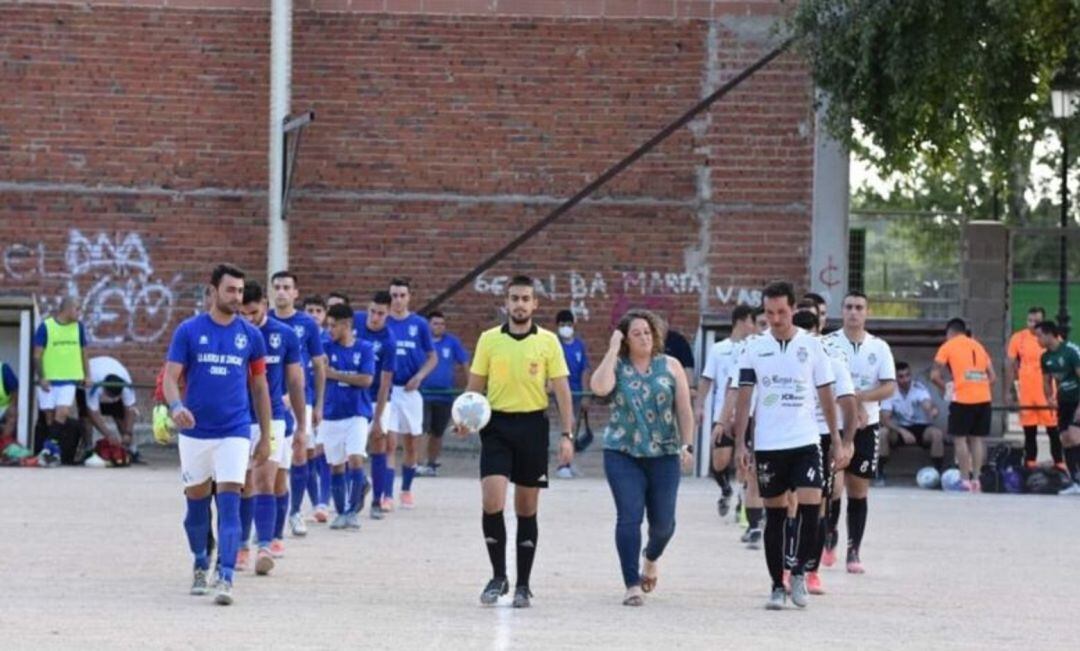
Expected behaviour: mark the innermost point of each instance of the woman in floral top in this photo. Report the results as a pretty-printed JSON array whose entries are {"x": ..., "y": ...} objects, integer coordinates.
[{"x": 649, "y": 433}]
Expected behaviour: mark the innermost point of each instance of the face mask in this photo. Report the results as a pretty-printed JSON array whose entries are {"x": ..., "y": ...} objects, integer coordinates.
[{"x": 566, "y": 332}]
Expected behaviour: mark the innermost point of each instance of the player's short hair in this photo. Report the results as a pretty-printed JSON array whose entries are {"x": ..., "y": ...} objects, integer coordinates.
[
  {"x": 758, "y": 311},
  {"x": 435, "y": 314},
  {"x": 315, "y": 299},
  {"x": 902, "y": 366},
  {"x": 807, "y": 304},
  {"x": 956, "y": 324},
  {"x": 381, "y": 297},
  {"x": 806, "y": 320},
  {"x": 1048, "y": 327},
  {"x": 253, "y": 292},
  {"x": 854, "y": 293},
  {"x": 564, "y": 316},
  {"x": 340, "y": 312},
  {"x": 68, "y": 302},
  {"x": 223, "y": 270},
  {"x": 521, "y": 280},
  {"x": 1037, "y": 309},
  {"x": 741, "y": 313},
  {"x": 818, "y": 299},
  {"x": 780, "y": 289},
  {"x": 114, "y": 385},
  {"x": 285, "y": 273},
  {"x": 398, "y": 281},
  {"x": 342, "y": 295}
]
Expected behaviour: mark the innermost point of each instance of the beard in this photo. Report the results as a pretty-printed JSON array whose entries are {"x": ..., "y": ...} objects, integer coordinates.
[{"x": 520, "y": 320}]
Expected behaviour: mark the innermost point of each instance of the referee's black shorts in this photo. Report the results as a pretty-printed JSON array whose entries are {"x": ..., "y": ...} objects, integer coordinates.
[{"x": 515, "y": 445}]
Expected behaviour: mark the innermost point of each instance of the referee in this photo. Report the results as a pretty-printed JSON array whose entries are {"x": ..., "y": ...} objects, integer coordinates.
[{"x": 513, "y": 363}]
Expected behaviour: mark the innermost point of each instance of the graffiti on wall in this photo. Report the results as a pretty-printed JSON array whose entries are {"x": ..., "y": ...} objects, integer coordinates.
[{"x": 113, "y": 276}]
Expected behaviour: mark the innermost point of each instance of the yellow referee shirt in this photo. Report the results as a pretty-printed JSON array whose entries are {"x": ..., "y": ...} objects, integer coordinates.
[{"x": 517, "y": 367}]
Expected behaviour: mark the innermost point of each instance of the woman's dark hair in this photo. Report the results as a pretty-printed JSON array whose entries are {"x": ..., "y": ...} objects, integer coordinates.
[{"x": 656, "y": 325}]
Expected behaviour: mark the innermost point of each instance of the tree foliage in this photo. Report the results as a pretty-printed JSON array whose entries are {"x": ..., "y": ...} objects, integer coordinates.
[{"x": 926, "y": 78}]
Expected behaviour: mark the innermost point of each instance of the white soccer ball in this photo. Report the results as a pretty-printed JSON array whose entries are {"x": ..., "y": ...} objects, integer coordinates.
[
  {"x": 471, "y": 410},
  {"x": 928, "y": 477},
  {"x": 951, "y": 479}
]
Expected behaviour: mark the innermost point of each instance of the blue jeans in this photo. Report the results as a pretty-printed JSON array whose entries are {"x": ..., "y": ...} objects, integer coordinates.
[{"x": 639, "y": 486}]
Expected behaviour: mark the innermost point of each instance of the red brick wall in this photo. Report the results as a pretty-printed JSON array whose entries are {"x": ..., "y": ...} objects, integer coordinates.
[{"x": 133, "y": 149}]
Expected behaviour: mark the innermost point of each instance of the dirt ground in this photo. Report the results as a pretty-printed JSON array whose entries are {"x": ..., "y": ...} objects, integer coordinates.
[{"x": 98, "y": 559}]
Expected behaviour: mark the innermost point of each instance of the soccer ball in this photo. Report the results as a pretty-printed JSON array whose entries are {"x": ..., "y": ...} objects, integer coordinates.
[
  {"x": 951, "y": 479},
  {"x": 472, "y": 411},
  {"x": 928, "y": 477}
]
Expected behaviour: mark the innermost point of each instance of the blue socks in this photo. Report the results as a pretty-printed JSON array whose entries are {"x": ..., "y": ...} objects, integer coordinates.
[
  {"x": 265, "y": 515},
  {"x": 298, "y": 481},
  {"x": 247, "y": 504},
  {"x": 312, "y": 481},
  {"x": 378, "y": 477},
  {"x": 337, "y": 489},
  {"x": 282, "y": 514},
  {"x": 388, "y": 487},
  {"x": 228, "y": 505},
  {"x": 197, "y": 526},
  {"x": 407, "y": 474},
  {"x": 356, "y": 489},
  {"x": 324, "y": 480}
]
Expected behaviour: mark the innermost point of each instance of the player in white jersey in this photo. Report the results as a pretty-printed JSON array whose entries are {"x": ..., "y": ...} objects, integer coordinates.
[
  {"x": 874, "y": 373},
  {"x": 808, "y": 318},
  {"x": 787, "y": 367},
  {"x": 712, "y": 390}
]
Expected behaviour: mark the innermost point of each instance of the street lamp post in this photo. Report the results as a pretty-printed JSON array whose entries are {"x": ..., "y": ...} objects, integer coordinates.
[{"x": 1064, "y": 96}]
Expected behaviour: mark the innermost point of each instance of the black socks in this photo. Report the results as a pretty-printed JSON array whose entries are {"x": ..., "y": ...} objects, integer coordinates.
[
  {"x": 526, "y": 548},
  {"x": 856, "y": 522},
  {"x": 495, "y": 537}
]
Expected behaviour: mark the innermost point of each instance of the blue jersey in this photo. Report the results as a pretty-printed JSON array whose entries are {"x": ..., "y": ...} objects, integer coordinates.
[
  {"x": 383, "y": 344},
  {"x": 450, "y": 354},
  {"x": 311, "y": 346},
  {"x": 413, "y": 337},
  {"x": 7, "y": 376},
  {"x": 217, "y": 360},
  {"x": 282, "y": 349},
  {"x": 344, "y": 400},
  {"x": 577, "y": 360}
]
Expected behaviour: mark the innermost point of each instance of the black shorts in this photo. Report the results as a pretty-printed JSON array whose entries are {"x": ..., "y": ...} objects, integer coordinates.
[
  {"x": 436, "y": 417},
  {"x": 919, "y": 431},
  {"x": 969, "y": 420},
  {"x": 1066, "y": 411},
  {"x": 864, "y": 460},
  {"x": 780, "y": 471},
  {"x": 516, "y": 446},
  {"x": 826, "y": 462},
  {"x": 725, "y": 441},
  {"x": 115, "y": 409}
]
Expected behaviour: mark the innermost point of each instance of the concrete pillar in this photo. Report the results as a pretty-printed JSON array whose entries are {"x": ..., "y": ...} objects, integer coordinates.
[
  {"x": 985, "y": 293},
  {"x": 829, "y": 223}
]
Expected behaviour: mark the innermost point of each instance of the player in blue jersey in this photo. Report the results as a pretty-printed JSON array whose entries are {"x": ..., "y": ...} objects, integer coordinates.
[
  {"x": 577, "y": 361},
  {"x": 371, "y": 326},
  {"x": 266, "y": 495},
  {"x": 438, "y": 389},
  {"x": 416, "y": 359},
  {"x": 318, "y": 477},
  {"x": 222, "y": 360},
  {"x": 345, "y": 428},
  {"x": 314, "y": 364}
]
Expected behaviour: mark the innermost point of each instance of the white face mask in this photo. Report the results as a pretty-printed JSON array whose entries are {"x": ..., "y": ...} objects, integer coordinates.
[{"x": 566, "y": 332}]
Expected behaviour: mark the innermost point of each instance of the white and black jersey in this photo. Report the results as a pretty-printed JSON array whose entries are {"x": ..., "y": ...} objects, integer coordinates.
[
  {"x": 870, "y": 363},
  {"x": 719, "y": 363},
  {"x": 732, "y": 381},
  {"x": 787, "y": 375},
  {"x": 844, "y": 385}
]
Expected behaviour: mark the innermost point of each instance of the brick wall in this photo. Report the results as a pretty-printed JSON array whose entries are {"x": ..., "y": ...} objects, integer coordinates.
[{"x": 133, "y": 148}]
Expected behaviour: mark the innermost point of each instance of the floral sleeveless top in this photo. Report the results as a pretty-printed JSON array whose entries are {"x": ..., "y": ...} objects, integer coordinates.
[{"x": 642, "y": 422}]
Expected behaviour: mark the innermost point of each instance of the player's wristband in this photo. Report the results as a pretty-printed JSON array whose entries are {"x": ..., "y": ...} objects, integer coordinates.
[
  {"x": 568, "y": 435},
  {"x": 174, "y": 405}
]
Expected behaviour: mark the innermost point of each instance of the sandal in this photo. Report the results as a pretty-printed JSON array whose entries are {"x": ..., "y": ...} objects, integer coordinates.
[{"x": 648, "y": 583}]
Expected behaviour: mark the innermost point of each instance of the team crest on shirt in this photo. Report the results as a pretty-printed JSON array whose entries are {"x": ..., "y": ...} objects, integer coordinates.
[
  {"x": 241, "y": 341},
  {"x": 446, "y": 353},
  {"x": 376, "y": 346},
  {"x": 275, "y": 340},
  {"x": 534, "y": 368},
  {"x": 203, "y": 340},
  {"x": 872, "y": 358},
  {"x": 802, "y": 354},
  {"x": 356, "y": 359},
  {"x": 299, "y": 330},
  {"x": 413, "y": 331}
]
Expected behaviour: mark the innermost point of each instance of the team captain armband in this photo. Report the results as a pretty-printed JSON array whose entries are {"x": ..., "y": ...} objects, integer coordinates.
[
  {"x": 747, "y": 377},
  {"x": 257, "y": 366}
]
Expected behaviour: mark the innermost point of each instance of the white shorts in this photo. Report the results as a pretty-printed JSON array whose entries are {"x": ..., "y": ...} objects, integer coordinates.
[
  {"x": 406, "y": 413},
  {"x": 282, "y": 446},
  {"x": 223, "y": 460},
  {"x": 57, "y": 396},
  {"x": 344, "y": 438}
]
